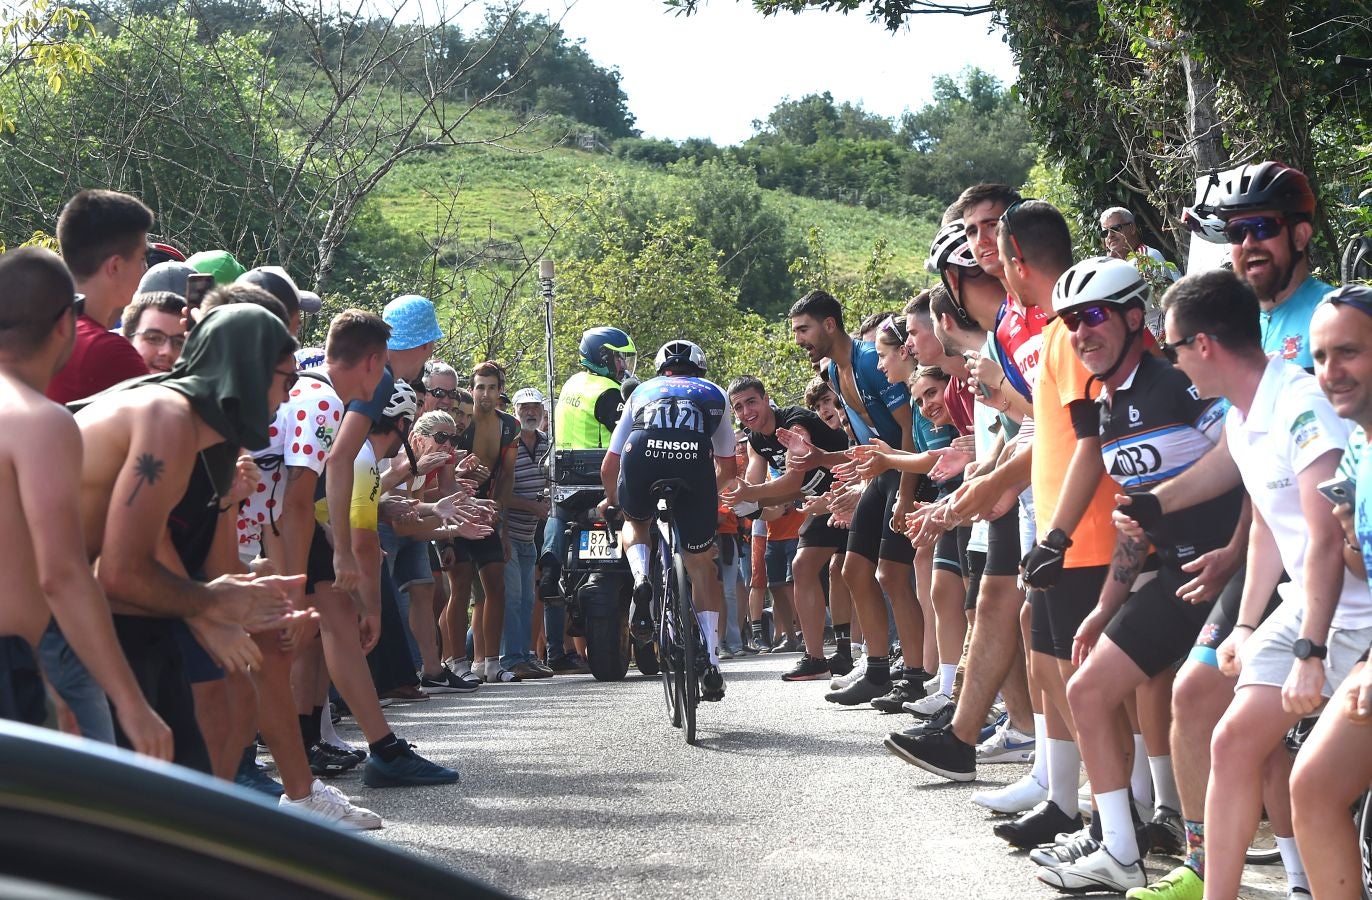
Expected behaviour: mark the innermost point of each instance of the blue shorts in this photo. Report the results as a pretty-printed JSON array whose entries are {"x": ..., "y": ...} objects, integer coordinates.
[
  {"x": 411, "y": 564},
  {"x": 779, "y": 556}
]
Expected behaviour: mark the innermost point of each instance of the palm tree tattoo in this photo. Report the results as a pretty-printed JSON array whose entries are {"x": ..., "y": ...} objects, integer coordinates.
[{"x": 149, "y": 469}]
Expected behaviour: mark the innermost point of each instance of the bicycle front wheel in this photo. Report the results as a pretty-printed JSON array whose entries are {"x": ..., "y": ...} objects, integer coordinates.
[
  {"x": 668, "y": 636},
  {"x": 689, "y": 637}
]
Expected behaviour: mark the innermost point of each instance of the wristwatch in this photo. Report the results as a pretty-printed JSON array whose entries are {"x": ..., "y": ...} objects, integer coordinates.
[
  {"x": 1304, "y": 648},
  {"x": 1057, "y": 539}
]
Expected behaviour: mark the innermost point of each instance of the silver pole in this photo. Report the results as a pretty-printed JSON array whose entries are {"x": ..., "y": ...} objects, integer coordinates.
[{"x": 545, "y": 281}]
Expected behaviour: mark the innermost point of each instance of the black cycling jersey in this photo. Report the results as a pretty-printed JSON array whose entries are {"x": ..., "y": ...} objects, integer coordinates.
[
  {"x": 1153, "y": 427},
  {"x": 817, "y": 481}
]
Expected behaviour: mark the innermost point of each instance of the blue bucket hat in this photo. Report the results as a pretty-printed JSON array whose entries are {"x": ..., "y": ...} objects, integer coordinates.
[{"x": 413, "y": 322}]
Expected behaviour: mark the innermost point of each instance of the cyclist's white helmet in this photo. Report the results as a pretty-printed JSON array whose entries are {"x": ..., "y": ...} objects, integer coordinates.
[
  {"x": 1099, "y": 279},
  {"x": 676, "y": 353},
  {"x": 950, "y": 248},
  {"x": 1204, "y": 224},
  {"x": 404, "y": 403}
]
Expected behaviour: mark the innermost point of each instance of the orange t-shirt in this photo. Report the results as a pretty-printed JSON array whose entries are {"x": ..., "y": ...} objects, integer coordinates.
[
  {"x": 1062, "y": 380},
  {"x": 786, "y": 527},
  {"x": 728, "y": 522}
]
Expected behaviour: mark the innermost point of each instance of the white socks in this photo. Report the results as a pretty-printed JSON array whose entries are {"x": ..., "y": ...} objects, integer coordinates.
[
  {"x": 946, "y": 673},
  {"x": 1117, "y": 826},
  {"x": 1291, "y": 861},
  {"x": 709, "y": 623},
  {"x": 1040, "y": 772},
  {"x": 1141, "y": 779},
  {"x": 638, "y": 560},
  {"x": 1164, "y": 783},
  {"x": 1064, "y": 769}
]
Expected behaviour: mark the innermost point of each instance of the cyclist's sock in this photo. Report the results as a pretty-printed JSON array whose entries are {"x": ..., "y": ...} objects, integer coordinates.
[
  {"x": 329, "y": 734},
  {"x": 309, "y": 726},
  {"x": 1064, "y": 767},
  {"x": 1040, "y": 771},
  {"x": 1164, "y": 783},
  {"x": 388, "y": 748},
  {"x": 878, "y": 669},
  {"x": 843, "y": 640},
  {"x": 1291, "y": 862},
  {"x": 1195, "y": 846},
  {"x": 709, "y": 624},
  {"x": 946, "y": 673},
  {"x": 638, "y": 560},
  {"x": 1141, "y": 779},
  {"x": 1117, "y": 826}
]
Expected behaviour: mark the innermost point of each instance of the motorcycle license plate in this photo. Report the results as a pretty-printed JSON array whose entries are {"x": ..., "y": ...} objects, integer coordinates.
[{"x": 598, "y": 544}]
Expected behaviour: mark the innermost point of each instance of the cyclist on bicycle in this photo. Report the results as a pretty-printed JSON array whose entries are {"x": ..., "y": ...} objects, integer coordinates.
[{"x": 671, "y": 427}]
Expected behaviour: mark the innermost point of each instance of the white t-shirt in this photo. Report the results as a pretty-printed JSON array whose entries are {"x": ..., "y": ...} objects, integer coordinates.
[
  {"x": 1289, "y": 426},
  {"x": 301, "y": 436},
  {"x": 983, "y": 418}
]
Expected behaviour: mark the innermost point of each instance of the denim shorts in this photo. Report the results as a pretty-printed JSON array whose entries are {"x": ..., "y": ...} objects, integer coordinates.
[
  {"x": 411, "y": 564},
  {"x": 779, "y": 555}
]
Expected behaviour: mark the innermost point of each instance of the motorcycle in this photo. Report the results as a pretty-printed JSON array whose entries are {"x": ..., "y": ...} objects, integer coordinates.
[{"x": 595, "y": 577}]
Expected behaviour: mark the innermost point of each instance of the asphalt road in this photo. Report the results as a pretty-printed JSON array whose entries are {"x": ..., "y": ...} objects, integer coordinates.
[{"x": 574, "y": 788}]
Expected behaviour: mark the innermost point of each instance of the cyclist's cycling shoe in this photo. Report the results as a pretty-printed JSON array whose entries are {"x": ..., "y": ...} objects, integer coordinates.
[
  {"x": 641, "y": 618},
  {"x": 711, "y": 684}
]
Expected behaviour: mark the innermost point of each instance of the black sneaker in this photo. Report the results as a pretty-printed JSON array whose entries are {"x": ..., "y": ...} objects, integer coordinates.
[
  {"x": 447, "y": 682},
  {"x": 808, "y": 669},
  {"x": 641, "y": 618},
  {"x": 939, "y": 752},
  {"x": 712, "y": 684},
  {"x": 941, "y": 720},
  {"x": 359, "y": 755},
  {"x": 902, "y": 673},
  {"x": 901, "y": 692},
  {"x": 326, "y": 760},
  {"x": 859, "y": 692},
  {"x": 1040, "y": 825},
  {"x": 1165, "y": 834},
  {"x": 840, "y": 664}
]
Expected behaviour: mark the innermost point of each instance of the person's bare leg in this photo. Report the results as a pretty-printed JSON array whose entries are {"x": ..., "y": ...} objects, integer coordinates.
[
  {"x": 1096, "y": 695},
  {"x": 950, "y": 622},
  {"x": 536, "y": 637},
  {"x": 896, "y": 579},
  {"x": 306, "y": 664},
  {"x": 346, "y": 662},
  {"x": 455, "y": 618},
  {"x": 924, "y": 595},
  {"x": 809, "y": 596},
  {"x": 276, "y": 717},
  {"x": 860, "y": 574},
  {"x": 840, "y": 601},
  {"x": 422, "y": 627},
  {"x": 1247, "y": 734},
  {"x": 1200, "y": 696},
  {"x": 478, "y": 631},
  {"x": 493, "y": 623},
  {"x": 213, "y": 715},
  {"x": 995, "y": 661},
  {"x": 243, "y": 717},
  {"x": 784, "y": 617},
  {"x": 1154, "y": 701}
]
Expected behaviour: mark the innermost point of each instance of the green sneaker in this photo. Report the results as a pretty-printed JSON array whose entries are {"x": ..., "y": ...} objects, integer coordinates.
[{"x": 1182, "y": 883}]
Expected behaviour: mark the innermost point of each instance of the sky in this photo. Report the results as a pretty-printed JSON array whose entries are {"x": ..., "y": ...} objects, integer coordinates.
[{"x": 713, "y": 73}]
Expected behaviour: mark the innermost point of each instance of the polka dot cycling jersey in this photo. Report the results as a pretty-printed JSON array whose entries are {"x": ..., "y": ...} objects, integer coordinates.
[{"x": 301, "y": 436}]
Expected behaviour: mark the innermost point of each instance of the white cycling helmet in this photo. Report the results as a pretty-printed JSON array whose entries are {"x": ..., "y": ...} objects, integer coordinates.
[
  {"x": 528, "y": 395},
  {"x": 1204, "y": 224},
  {"x": 404, "y": 403},
  {"x": 1099, "y": 279},
  {"x": 676, "y": 353},
  {"x": 950, "y": 248}
]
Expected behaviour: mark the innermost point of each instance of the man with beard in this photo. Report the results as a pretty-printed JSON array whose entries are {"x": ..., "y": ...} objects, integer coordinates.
[
  {"x": 528, "y": 505},
  {"x": 1267, "y": 210}
]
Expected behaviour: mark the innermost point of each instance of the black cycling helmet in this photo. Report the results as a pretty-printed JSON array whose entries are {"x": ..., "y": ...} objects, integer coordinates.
[{"x": 1266, "y": 185}]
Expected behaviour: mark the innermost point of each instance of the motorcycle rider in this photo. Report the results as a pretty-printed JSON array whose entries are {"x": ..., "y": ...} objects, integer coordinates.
[{"x": 587, "y": 409}]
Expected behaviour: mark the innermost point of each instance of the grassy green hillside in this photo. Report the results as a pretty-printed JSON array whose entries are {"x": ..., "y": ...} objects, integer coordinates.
[{"x": 493, "y": 185}]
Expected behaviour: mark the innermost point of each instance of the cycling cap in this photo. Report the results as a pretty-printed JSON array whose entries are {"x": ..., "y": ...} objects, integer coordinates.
[
  {"x": 166, "y": 276},
  {"x": 1267, "y": 185},
  {"x": 950, "y": 248},
  {"x": 413, "y": 322},
  {"x": 219, "y": 263},
  {"x": 403, "y": 403},
  {"x": 599, "y": 347},
  {"x": 275, "y": 281},
  {"x": 1100, "y": 279},
  {"x": 677, "y": 353},
  {"x": 529, "y": 395}
]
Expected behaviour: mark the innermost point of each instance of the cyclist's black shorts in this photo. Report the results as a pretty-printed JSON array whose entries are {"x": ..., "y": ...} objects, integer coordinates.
[
  {"x": 871, "y": 536},
  {"x": 696, "y": 505},
  {"x": 1155, "y": 628},
  {"x": 818, "y": 532},
  {"x": 1002, "y": 544},
  {"x": 976, "y": 565},
  {"x": 950, "y": 553},
  {"x": 1224, "y": 614},
  {"x": 1058, "y": 612}
]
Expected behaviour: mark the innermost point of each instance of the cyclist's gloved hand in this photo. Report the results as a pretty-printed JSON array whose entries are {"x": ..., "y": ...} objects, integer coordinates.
[
  {"x": 1043, "y": 563},
  {"x": 1144, "y": 508}
]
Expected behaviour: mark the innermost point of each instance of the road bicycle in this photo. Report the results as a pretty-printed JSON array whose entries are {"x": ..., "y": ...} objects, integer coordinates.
[{"x": 681, "y": 644}]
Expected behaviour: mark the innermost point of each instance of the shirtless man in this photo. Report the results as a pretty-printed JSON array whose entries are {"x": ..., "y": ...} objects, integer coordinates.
[
  {"x": 162, "y": 451},
  {"x": 48, "y": 572},
  {"x": 491, "y": 437}
]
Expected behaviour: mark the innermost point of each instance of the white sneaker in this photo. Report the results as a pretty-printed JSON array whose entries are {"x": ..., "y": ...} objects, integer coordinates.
[
  {"x": 328, "y": 804},
  {"x": 859, "y": 669},
  {"x": 1013, "y": 799},
  {"x": 1093, "y": 872},
  {"x": 1065, "y": 849},
  {"x": 928, "y": 707},
  {"x": 931, "y": 686},
  {"x": 1007, "y": 745}
]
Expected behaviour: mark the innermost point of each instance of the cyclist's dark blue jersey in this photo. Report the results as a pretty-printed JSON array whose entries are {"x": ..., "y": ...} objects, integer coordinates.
[
  {"x": 1154, "y": 427},
  {"x": 879, "y": 396},
  {"x": 688, "y": 413}
]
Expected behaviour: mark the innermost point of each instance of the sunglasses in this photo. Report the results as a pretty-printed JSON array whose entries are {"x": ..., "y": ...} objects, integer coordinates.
[
  {"x": 440, "y": 393},
  {"x": 1114, "y": 229},
  {"x": 442, "y": 437},
  {"x": 1090, "y": 316},
  {"x": 1007, "y": 223},
  {"x": 290, "y": 377},
  {"x": 1261, "y": 227},
  {"x": 1170, "y": 350},
  {"x": 896, "y": 328}
]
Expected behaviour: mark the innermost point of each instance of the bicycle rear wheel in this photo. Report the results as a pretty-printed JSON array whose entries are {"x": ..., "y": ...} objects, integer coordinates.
[
  {"x": 687, "y": 636},
  {"x": 668, "y": 634},
  {"x": 1364, "y": 820}
]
